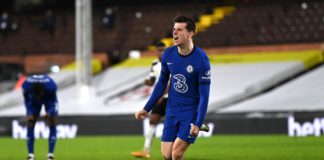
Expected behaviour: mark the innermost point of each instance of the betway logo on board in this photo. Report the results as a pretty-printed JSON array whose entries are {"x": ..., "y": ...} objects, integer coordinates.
[
  {"x": 42, "y": 130},
  {"x": 314, "y": 128}
]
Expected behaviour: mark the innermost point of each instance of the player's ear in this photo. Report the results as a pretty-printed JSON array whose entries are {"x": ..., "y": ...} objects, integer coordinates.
[{"x": 191, "y": 34}]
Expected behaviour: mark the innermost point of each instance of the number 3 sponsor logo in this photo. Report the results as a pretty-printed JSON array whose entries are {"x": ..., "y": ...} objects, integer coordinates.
[{"x": 180, "y": 85}]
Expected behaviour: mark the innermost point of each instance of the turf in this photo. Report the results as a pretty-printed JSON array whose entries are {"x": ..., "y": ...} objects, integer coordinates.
[{"x": 220, "y": 147}]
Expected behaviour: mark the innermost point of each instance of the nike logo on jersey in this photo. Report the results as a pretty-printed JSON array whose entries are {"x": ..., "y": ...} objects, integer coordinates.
[{"x": 169, "y": 63}]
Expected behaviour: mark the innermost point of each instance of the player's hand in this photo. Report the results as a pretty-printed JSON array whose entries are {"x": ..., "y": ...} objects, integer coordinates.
[
  {"x": 194, "y": 130},
  {"x": 148, "y": 82},
  {"x": 141, "y": 114}
]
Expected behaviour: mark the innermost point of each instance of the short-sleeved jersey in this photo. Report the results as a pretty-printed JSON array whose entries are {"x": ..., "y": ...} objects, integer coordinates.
[
  {"x": 48, "y": 85},
  {"x": 186, "y": 73}
]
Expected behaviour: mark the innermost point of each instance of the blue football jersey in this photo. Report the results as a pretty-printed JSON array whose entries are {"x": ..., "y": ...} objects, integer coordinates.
[
  {"x": 48, "y": 85},
  {"x": 186, "y": 73},
  {"x": 189, "y": 84}
]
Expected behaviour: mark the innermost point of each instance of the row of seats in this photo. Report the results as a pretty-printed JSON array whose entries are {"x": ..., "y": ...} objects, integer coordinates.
[
  {"x": 8, "y": 71},
  {"x": 269, "y": 24},
  {"x": 137, "y": 27}
]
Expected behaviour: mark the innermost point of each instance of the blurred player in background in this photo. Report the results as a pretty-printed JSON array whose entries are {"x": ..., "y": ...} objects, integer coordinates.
[
  {"x": 39, "y": 90},
  {"x": 158, "y": 110},
  {"x": 189, "y": 68}
]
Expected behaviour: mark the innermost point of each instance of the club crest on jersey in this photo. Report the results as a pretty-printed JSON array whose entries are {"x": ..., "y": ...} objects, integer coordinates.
[{"x": 189, "y": 69}]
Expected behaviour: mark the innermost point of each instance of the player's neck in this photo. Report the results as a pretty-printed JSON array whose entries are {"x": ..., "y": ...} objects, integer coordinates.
[{"x": 186, "y": 48}]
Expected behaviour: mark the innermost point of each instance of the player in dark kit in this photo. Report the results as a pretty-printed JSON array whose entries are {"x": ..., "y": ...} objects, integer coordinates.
[
  {"x": 39, "y": 90},
  {"x": 188, "y": 68}
]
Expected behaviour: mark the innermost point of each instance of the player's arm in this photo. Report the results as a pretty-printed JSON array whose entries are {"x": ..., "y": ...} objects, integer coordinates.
[
  {"x": 203, "y": 103},
  {"x": 25, "y": 93},
  {"x": 51, "y": 88},
  {"x": 204, "y": 88},
  {"x": 165, "y": 92},
  {"x": 150, "y": 81},
  {"x": 156, "y": 95},
  {"x": 144, "y": 112},
  {"x": 161, "y": 85},
  {"x": 53, "y": 97},
  {"x": 202, "y": 108},
  {"x": 167, "y": 88},
  {"x": 158, "y": 89},
  {"x": 157, "y": 92},
  {"x": 26, "y": 98},
  {"x": 153, "y": 74}
]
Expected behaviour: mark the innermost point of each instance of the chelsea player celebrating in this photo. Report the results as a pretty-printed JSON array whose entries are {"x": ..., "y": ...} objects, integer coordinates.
[
  {"x": 189, "y": 68},
  {"x": 40, "y": 90}
]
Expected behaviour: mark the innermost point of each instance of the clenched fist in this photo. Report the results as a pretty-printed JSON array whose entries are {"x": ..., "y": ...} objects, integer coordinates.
[{"x": 141, "y": 114}]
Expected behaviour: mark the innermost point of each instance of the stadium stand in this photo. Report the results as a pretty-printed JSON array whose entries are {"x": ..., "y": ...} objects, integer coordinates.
[
  {"x": 147, "y": 28},
  {"x": 275, "y": 23},
  {"x": 301, "y": 94},
  {"x": 263, "y": 45},
  {"x": 126, "y": 105},
  {"x": 120, "y": 90},
  {"x": 8, "y": 75}
]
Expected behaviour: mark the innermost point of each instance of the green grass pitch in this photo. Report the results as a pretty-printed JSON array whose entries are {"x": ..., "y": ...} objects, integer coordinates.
[{"x": 219, "y": 147}]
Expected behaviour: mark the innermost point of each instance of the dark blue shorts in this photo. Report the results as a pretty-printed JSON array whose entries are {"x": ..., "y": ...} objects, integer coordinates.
[
  {"x": 180, "y": 128},
  {"x": 35, "y": 109}
]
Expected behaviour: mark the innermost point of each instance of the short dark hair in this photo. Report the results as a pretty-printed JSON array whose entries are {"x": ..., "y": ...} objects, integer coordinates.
[
  {"x": 160, "y": 44},
  {"x": 191, "y": 26}
]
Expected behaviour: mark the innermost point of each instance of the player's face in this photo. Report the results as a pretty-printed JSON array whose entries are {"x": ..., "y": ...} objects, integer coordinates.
[{"x": 180, "y": 34}]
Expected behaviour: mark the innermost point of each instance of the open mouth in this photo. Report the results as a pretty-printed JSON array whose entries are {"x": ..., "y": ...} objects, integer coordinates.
[{"x": 176, "y": 38}]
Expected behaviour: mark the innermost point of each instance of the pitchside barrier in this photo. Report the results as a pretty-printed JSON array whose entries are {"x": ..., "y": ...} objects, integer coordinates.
[{"x": 297, "y": 124}]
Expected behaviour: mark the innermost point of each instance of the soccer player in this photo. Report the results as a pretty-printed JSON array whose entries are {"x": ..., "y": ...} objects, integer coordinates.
[
  {"x": 158, "y": 110},
  {"x": 189, "y": 70},
  {"x": 39, "y": 90}
]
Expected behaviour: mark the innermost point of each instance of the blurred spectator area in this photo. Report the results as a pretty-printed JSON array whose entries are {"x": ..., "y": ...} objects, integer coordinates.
[
  {"x": 254, "y": 22},
  {"x": 135, "y": 27},
  {"x": 9, "y": 73},
  {"x": 7, "y": 25},
  {"x": 262, "y": 22}
]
